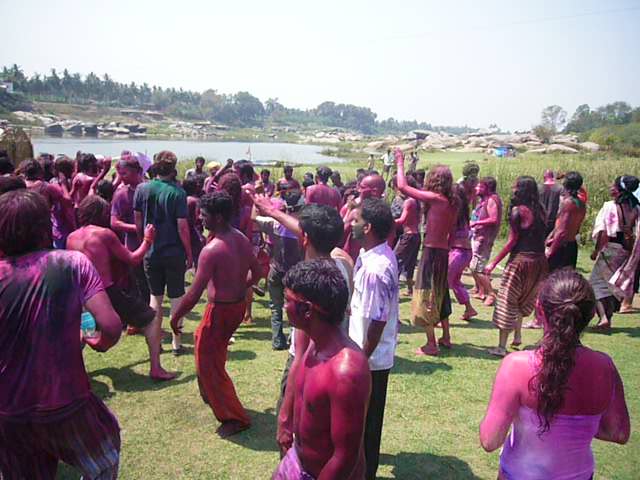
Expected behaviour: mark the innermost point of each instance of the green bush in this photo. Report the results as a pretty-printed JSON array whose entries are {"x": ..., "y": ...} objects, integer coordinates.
[{"x": 621, "y": 139}]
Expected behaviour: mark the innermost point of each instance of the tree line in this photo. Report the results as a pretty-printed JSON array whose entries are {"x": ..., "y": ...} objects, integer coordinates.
[{"x": 238, "y": 109}]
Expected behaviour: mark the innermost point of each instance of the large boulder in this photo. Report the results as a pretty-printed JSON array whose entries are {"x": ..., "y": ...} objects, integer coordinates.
[
  {"x": 558, "y": 148},
  {"x": 17, "y": 144},
  {"x": 589, "y": 146}
]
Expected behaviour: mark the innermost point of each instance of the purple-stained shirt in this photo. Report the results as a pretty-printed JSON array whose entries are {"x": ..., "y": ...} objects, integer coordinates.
[
  {"x": 42, "y": 372},
  {"x": 376, "y": 297},
  {"x": 323, "y": 195},
  {"x": 122, "y": 209}
]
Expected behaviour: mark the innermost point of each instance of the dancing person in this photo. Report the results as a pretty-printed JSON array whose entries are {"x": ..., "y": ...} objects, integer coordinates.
[
  {"x": 227, "y": 268},
  {"x": 613, "y": 234},
  {"x": 63, "y": 218},
  {"x": 48, "y": 412},
  {"x": 55, "y": 195},
  {"x": 550, "y": 193},
  {"x": 163, "y": 203},
  {"x": 469, "y": 181},
  {"x": 320, "y": 228},
  {"x": 374, "y": 320},
  {"x": 112, "y": 260},
  {"x": 210, "y": 181},
  {"x": 485, "y": 226},
  {"x": 558, "y": 397},
  {"x": 285, "y": 253},
  {"x": 408, "y": 245},
  {"x": 431, "y": 303},
  {"x": 198, "y": 174},
  {"x": 387, "y": 163},
  {"x": 332, "y": 385},
  {"x": 371, "y": 186},
  {"x": 460, "y": 254},
  {"x": 268, "y": 186},
  {"x": 193, "y": 189},
  {"x": 123, "y": 220},
  {"x": 413, "y": 164},
  {"x": 562, "y": 247},
  {"x": 336, "y": 180},
  {"x": 287, "y": 182},
  {"x": 87, "y": 172},
  {"x": 526, "y": 267},
  {"x": 321, "y": 193}
]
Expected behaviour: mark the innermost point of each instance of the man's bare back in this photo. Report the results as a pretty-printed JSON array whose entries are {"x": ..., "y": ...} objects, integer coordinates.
[{"x": 327, "y": 390}]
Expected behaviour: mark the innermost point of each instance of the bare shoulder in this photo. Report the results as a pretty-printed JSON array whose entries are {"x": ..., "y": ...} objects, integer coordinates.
[
  {"x": 517, "y": 360},
  {"x": 594, "y": 356},
  {"x": 350, "y": 365}
]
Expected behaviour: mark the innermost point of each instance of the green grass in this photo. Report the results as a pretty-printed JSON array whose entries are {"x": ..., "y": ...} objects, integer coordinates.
[{"x": 434, "y": 405}]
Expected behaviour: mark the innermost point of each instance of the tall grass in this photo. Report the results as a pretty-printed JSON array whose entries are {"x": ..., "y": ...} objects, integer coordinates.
[{"x": 598, "y": 171}]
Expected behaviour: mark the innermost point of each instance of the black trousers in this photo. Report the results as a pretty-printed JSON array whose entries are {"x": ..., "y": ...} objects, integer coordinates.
[{"x": 375, "y": 418}]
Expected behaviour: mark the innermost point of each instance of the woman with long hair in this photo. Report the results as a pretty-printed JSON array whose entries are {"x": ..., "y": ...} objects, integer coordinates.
[
  {"x": 558, "y": 397},
  {"x": 614, "y": 236},
  {"x": 460, "y": 254},
  {"x": 526, "y": 267}
]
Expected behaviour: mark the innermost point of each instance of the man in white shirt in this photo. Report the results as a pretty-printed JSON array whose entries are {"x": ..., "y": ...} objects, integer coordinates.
[{"x": 373, "y": 323}]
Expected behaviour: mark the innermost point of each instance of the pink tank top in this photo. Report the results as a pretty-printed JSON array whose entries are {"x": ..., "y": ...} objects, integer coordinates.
[{"x": 561, "y": 453}]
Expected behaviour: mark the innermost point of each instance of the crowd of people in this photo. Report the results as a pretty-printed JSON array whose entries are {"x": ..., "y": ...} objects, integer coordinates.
[{"x": 74, "y": 237}]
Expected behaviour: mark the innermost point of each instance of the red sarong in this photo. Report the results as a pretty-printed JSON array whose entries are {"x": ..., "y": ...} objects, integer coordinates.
[{"x": 212, "y": 336}]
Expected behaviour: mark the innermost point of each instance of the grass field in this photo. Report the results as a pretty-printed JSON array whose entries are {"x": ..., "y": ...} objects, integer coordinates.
[{"x": 434, "y": 405}]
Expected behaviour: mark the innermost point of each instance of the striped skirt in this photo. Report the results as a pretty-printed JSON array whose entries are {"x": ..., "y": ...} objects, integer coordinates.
[
  {"x": 519, "y": 289},
  {"x": 87, "y": 439}
]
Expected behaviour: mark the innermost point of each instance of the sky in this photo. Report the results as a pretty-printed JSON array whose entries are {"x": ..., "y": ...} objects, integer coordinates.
[{"x": 461, "y": 62}]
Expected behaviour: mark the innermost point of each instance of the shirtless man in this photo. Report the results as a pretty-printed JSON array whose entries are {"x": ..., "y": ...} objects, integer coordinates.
[
  {"x": 33, "y": 173},
  {"x": 103, "y": 247},
  {"x": 562, "y": 248},
  {"x": 431, "y": 301},
  {"x": 408, "y": 245},
  {"x": 287, "y": 182},
  {"x": 88, "y": 170},
  {"x": 222, "y": 268},
  {"x": 321, "y": 193},
  {"x": 371, "y": 186},
  {"x": 332, "y": 385}
]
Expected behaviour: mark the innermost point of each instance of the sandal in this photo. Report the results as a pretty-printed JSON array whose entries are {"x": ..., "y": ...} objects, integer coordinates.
[{"x": 497, "y": 352}]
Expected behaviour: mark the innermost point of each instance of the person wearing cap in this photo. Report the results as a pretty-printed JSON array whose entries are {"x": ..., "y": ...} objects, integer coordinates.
[
  {"x": 209, "y": 183},
  {"x": 163, "y": 203}
]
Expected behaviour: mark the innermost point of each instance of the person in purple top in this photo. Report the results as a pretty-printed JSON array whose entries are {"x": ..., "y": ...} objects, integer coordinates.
[{"x": 47, "y": 410}]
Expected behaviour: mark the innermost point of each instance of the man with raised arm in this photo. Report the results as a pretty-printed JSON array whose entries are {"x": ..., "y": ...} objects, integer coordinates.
[
  {"x": 332, "y": 385},
  {"x": 374, "y": 322},
  {"x": 408, "y": 245},
  {"x": 47, "y": 410},
  {"x": 112, "y": 261},
  {"x": 223, "y": 269},
  {"x": 431, "y": 301}
]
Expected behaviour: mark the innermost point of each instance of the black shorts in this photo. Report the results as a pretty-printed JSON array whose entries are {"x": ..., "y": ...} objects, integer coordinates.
[
  {"x": 166, "y": 271},
  {"x": 133, "y": 311}
]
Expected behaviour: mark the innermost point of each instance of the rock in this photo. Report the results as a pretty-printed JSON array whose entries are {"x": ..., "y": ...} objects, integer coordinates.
[
  {"x": 375, "y": 146},
  {"x": 558, "y": 148},
  {"x": 17, "y": 144},
  {"x": 55, "y": 130},
  {"x": 405, "y": 147},
  {"x": 589, "y": 146},
  {"x": 538, "y": 150}
]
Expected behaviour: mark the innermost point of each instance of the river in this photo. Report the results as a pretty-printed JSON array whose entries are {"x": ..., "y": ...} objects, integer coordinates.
[{"x": 261, "y": 153}]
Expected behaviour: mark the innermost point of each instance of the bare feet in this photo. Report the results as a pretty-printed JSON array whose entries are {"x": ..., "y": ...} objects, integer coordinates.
[
  {"x": 532, "y": 325},
  {"x": 516, "y": 344},
  {"x": 627, "y": 309},
  {"x": 497, "y": 352},
  {"x": 408, "y": 293},
  {"x": 468, "y": 315},
  {"x": 161, "y": 375},
  {"x": 231, "y": 427},
  {"x": 133, "y": 331},
  {"x": 247, "y": 320},
  {"x": 490, "y": 300},
  {"x": 431, "y": 350},
  {"x": 478, "y": 296},
  {"x": 445, "y": 343},
  {"x": 603, "y": 326},
  {"x": 231, "y": 341}
]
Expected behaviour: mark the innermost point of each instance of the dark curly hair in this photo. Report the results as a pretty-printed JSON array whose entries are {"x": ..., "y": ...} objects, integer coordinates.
[
  {"x": 323, "y": 225},
  {"x": 94, "y": 210},
  {"x": 217, "y": 203},
  {"x": 230, "y": 183},
  {"x": 568, "y": 303},
  {"x": 526, "y": 194},
  {"x": 439, "y": 180}
]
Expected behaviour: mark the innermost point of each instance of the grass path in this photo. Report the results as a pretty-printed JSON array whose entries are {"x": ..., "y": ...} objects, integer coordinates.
[{"x": 433, "y": 410}]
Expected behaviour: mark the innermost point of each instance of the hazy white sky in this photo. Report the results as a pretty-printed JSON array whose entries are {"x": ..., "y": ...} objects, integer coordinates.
[{"x": 447, "y": 63}]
